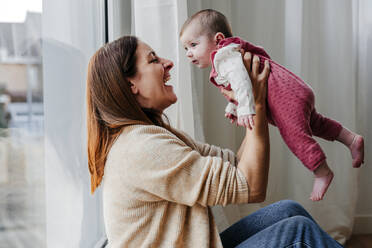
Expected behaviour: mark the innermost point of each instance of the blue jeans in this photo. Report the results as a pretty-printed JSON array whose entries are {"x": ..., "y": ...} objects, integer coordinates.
[{"x": 282, "y": 224}]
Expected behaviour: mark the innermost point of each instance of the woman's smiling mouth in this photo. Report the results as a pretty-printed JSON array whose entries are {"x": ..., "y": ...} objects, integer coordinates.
[{"x": 166, "y": 78}]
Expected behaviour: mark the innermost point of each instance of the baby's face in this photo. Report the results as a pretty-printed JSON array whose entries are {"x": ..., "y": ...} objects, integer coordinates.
[{"x": 198, "y": 46}]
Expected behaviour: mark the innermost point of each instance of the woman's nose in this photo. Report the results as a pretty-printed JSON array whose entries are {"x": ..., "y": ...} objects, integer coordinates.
[{"x": 167, "y": 64}]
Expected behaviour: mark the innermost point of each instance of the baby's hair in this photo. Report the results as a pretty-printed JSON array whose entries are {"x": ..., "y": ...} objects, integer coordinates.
[{"x": 210, "y": 21}]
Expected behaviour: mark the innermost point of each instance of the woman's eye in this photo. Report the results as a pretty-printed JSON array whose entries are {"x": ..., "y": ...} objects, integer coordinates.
[{"x": 154, "y": 60}]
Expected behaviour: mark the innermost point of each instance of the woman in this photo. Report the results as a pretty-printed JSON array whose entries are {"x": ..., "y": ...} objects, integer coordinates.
[{"x": 158, "y": 183}]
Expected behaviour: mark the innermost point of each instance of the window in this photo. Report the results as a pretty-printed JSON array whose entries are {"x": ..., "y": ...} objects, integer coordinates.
[{"x": 22, "y": 187}]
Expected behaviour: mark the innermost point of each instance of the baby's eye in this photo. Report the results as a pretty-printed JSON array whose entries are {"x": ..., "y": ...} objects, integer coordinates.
[
  {"x": 193, "y": 44},
  {"x": 185, "y": 48}
]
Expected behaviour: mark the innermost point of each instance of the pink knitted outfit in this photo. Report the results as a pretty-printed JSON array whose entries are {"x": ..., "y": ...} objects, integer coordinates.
[{"x": 291, "y": 108}]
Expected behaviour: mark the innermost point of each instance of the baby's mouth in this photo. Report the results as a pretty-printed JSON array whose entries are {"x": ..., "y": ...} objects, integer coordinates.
[{"x": 194, "y": 61}]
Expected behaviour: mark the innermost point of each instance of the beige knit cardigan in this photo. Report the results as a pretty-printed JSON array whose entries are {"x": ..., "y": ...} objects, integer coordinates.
[{"x": 157, "y": 191}]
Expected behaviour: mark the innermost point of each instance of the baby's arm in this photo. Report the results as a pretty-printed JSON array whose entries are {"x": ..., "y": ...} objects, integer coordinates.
[{"x": 229, "y": 66}]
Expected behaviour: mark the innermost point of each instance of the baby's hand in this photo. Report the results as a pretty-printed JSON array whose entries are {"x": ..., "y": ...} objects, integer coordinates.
[
  {"x": 246, "y": 121},
  {"x": 231, "y": 117}
]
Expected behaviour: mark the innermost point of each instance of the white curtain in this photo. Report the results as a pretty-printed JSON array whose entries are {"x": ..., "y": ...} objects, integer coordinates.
[
  {"x": 157, "y": 22},
  {"x": 363, "y": 218},
  {"x": 326, "y": 43},
  {"x": 71, "y": 33}
]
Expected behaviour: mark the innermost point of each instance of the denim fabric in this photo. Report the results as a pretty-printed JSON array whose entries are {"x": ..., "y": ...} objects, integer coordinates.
[{"x": 282, "y": 224}]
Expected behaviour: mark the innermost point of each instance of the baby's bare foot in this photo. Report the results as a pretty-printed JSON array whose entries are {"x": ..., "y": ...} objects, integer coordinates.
[
  {"x": 323, "y": 178},
  {"x": 357, "y": 151}
]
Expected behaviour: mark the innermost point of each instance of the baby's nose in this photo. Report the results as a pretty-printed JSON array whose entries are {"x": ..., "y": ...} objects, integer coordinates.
[{"x": 189, "y": 54}]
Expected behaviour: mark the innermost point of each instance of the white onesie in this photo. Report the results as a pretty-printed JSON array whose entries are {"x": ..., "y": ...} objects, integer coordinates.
[{"x": 230, "y": 69}]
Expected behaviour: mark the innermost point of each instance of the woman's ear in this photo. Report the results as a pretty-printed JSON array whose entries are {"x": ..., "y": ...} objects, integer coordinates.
[
  {"x": 218, "y": 37},
  {"x": 133, "y": 88}
]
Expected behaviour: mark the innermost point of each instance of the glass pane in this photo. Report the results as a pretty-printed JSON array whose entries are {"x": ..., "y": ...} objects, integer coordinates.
[{"x": 22, "y": 191}]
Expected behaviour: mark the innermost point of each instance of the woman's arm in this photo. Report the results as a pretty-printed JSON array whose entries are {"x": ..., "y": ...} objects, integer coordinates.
[
  {"x": 215, "y": 151},
  {"x": 241, "y": 148},
  {"x": 169, "y": 169},
  {"x": 254, "y": 154}
]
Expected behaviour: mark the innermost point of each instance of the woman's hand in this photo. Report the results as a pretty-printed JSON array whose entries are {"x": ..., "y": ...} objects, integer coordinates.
[{"x": 259, "y": 80}]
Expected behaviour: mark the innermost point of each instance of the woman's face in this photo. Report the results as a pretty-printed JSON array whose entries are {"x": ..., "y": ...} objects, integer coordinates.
[{"x": 149, "y": 83}]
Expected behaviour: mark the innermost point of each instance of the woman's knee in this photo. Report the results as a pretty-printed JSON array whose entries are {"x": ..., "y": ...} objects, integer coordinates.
[
  {"x": 298, "y": 223},
  {"x": 289, "y": 203},
  {"x": 292, "y": 208}
]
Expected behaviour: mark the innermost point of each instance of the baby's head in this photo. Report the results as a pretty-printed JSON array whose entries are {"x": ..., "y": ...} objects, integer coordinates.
[{"x": 201, "y": 33}]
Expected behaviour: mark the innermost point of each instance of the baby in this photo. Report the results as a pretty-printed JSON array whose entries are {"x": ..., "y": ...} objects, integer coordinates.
[{"x": 208, "y": 41}]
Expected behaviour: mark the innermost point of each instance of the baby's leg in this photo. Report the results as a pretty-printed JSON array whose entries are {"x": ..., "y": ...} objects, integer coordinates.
[
  {"x": 329, "y": 129},
  {"x": 355, "y": 143},
  {"x": 323, "y": 178},
  {"x": 296, "y": 132}
]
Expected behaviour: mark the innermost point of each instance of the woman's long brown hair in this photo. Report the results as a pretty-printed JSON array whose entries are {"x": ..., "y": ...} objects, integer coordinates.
[{"x": 110, "y": 103}]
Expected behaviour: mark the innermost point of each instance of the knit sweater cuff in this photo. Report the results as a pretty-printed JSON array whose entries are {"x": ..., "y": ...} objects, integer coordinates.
[{"x": 243, "y": 186}]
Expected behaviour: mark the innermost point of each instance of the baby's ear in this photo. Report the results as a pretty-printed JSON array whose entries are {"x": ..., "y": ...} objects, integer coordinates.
[{"x": 218, "y": 37}]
